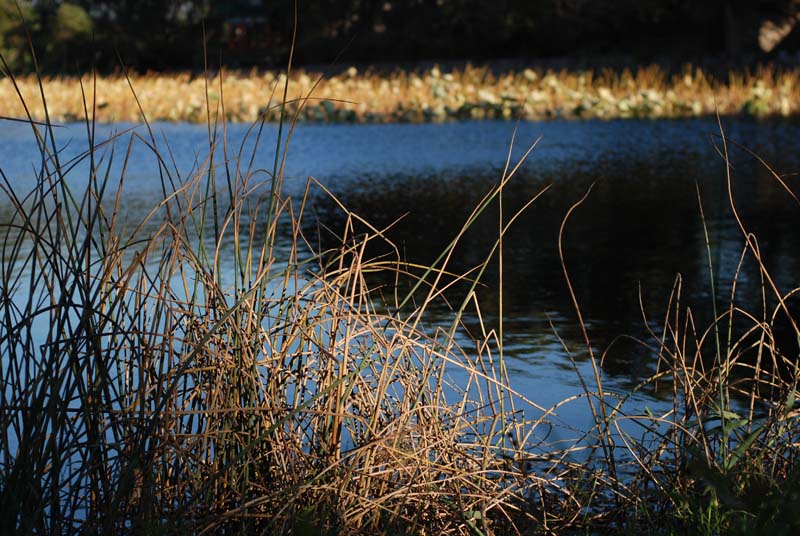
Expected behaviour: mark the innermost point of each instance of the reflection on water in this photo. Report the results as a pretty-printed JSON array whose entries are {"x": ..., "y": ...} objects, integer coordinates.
[{"x": 637, "y": 231}]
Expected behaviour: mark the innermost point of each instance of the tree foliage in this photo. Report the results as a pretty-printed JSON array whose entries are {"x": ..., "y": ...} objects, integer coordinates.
[
  {"x": 13, "y": 20},
  {"x": 170, "y": 34}
]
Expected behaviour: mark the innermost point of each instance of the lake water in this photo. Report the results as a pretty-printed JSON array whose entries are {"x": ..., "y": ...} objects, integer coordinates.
[{"x": 637, "y": 231}]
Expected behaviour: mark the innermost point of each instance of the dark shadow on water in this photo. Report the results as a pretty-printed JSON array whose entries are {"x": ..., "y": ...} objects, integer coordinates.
[{"x": 639, "y": 230}]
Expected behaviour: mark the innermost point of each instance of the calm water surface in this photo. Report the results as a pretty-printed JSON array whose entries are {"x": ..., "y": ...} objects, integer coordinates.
[{"x": 637, "y": 231}]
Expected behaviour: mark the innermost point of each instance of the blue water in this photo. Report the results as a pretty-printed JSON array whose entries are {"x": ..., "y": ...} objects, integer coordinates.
[{"x": 624, "y": 248}]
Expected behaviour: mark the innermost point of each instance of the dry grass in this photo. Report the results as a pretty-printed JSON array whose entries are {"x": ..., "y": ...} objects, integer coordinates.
[
  {"x": 472, "y": 92},
  {"x": 148, "y": 388},
  {"x": 153, "y": 393}
]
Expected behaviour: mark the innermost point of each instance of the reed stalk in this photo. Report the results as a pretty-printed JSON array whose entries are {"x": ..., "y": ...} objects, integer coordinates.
[{"x": 144, "y": 388}]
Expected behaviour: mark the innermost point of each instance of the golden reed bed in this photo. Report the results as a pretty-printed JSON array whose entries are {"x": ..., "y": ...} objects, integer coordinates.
[{"x": 433, "y": 95}]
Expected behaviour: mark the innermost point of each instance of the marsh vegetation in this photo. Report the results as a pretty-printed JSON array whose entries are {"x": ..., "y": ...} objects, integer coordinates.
[
  {"x": 428, "y": 95},
  {"x": 305, "y": 388}
]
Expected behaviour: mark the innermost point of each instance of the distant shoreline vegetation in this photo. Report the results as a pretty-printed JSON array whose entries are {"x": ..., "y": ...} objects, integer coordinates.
[{"x": 432, "y": 95}]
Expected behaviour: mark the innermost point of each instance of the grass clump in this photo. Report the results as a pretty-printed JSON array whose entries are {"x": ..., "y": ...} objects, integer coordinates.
[{"x": 208, "y": 371}]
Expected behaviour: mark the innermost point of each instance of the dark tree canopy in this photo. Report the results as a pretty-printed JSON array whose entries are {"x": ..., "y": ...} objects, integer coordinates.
[{"x": 169, "y": 34}]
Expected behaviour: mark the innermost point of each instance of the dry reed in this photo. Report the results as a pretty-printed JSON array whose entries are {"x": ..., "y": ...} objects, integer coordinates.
[{"x": 145, "y": 391}]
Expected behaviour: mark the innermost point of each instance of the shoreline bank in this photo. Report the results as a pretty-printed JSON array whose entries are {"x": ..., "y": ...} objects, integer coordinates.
[{"x": 431, "y": 95}]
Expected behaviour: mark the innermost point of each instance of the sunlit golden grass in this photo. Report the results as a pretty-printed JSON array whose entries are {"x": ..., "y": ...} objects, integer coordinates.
[
  {"x": 433, "y": 95},
  {"x": 212, "y": 372}
]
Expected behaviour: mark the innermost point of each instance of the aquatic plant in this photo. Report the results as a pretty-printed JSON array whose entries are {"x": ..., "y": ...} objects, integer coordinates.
[{"x": 144, "y": 388}]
